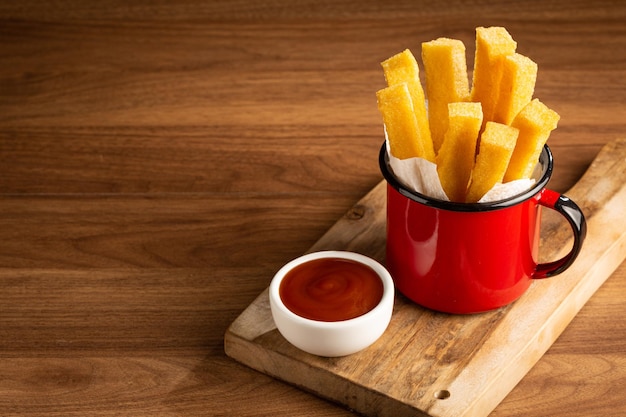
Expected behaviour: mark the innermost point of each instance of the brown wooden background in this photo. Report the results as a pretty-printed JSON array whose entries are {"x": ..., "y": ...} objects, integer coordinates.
[{"x": 159, "y": 161}]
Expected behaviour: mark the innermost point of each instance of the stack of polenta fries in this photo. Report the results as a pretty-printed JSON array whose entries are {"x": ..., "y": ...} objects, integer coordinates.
[{"x": 493, "y": 133}]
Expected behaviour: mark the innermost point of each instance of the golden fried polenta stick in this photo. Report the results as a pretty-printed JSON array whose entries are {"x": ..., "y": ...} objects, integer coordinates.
[
  {"x": 492, "y": 45},
  {"x": 517, "y": 86},
  {"x": 494, "y": 152},
  {"x": 446, "y": 82},
  {"x": 535, "y": 122},
  {"x": 456, "y": 156},
  {"x": 403, "y": 68},
  {"x": 406, "y": 138}
]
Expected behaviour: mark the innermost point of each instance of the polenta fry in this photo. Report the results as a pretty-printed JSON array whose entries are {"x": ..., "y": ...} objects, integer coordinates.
[
  {"x": 517, "y": 86},
  {"x": 494, "y": 151},
  {"x": 446, "y": 82},
  {"x": 403, "y": 68},
  {"x": 406, "y": 138},
  {"x": 456, "y": 157},
  {"x": 492, "y": 45},
  {"x": 535, "y": 122}
]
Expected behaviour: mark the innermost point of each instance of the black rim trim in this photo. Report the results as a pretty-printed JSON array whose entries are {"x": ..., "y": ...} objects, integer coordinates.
[{"x": 545, "y": 158}]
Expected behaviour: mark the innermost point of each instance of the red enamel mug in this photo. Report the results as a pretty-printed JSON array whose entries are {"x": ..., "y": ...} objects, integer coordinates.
[{"x": 466, "y": 258}]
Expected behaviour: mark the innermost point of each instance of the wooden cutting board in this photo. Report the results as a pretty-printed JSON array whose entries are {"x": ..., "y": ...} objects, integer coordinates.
[{"x": 435, "y": 364}]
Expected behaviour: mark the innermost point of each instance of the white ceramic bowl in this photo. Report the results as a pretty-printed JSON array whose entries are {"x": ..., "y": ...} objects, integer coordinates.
[{"x": 332, "y": 338}]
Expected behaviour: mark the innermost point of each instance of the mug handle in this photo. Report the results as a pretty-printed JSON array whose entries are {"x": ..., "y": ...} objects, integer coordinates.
[{"x": 574, "y": 215}]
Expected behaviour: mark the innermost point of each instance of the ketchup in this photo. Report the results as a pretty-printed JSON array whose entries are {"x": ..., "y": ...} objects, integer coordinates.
[{"x": 331, "y": 289}]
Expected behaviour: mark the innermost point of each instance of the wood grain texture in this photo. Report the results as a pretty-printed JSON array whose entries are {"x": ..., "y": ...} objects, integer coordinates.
[{"x": 160, "y": 160}]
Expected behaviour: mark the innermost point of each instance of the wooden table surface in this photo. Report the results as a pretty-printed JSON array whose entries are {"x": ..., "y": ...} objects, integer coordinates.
[{"x": 159, "y": 161}]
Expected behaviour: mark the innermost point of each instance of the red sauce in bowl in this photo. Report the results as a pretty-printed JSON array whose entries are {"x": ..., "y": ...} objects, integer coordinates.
[{"x": 331, "y": 289}]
